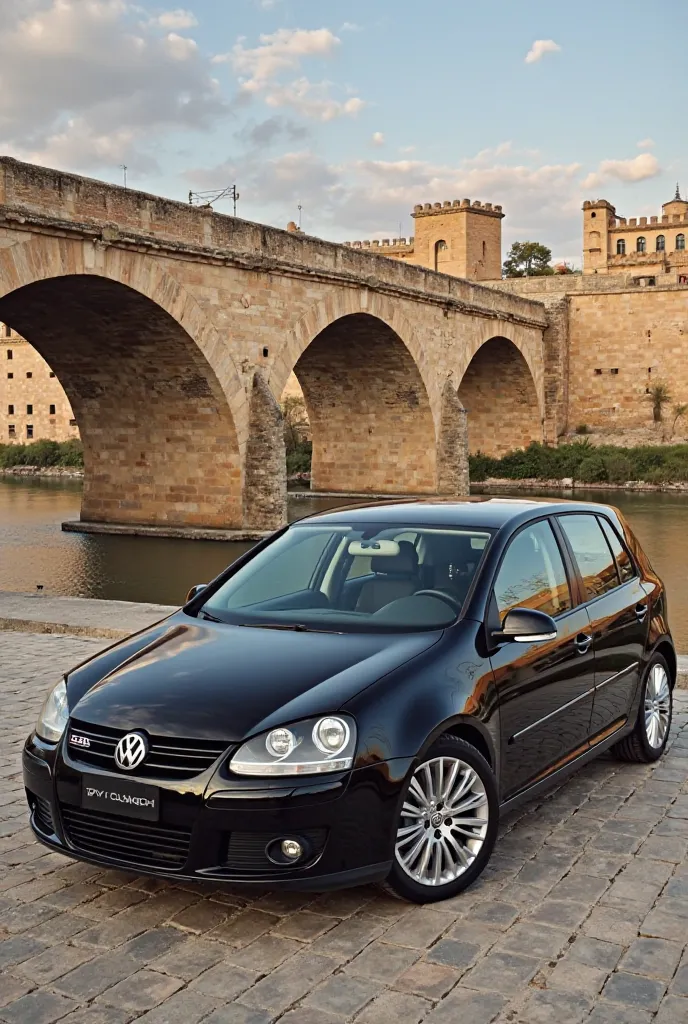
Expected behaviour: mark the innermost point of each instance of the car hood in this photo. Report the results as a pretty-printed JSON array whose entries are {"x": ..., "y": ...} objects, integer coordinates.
[{"x": 206, "y": 680}]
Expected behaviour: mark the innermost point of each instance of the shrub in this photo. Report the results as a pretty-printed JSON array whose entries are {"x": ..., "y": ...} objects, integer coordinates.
[
  {"x": 618, "y": 467},
  {"x": 42, "y": 454},
  {"x": 299, "y": 458},
  {"x": 592, "y": 470}
]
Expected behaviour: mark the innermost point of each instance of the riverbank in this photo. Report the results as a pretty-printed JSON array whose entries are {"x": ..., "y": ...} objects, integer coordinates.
[
  {"x": 79, "y": 616},
  {"x": 68, "y": 472},
  {"x": 506, "y": 485}
]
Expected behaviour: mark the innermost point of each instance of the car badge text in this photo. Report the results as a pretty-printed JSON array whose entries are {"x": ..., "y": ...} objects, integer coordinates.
[
  {"x": 79, "y": 741},
  {"x": 131, "y": 751}
]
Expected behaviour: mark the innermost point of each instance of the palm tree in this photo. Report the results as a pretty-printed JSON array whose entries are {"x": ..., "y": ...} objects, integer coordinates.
[
  {"x": 659, "y": 394},
  {"x": 678, "y": 412}
]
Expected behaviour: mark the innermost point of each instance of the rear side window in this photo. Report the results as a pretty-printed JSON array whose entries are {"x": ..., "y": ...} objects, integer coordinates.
[
  {"x": 591, "y": 551},
  {"x": 623, "y": 560},
  {"x": 532, "y": 574}
]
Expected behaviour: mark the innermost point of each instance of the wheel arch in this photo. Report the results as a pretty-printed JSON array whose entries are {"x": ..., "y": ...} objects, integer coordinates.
[
  {"x": 666, "y": 649},
  {"x": 470, "y": 730}
]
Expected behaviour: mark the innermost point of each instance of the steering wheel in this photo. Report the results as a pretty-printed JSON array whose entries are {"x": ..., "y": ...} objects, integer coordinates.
[{"x": 449, "y": 599}]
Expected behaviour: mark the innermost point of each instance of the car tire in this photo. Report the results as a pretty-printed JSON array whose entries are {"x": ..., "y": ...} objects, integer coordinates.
[
  {"x": 649, "y": 738},
  {"x": 436, "y": 859}
]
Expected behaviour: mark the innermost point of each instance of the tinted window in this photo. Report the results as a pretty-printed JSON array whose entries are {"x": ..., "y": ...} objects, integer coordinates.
[
  {"x": 595, "y": 561},
  {"x": 298, "y": 578},
  {"x": 289, "y": 571},
  {"x": 532, "y": 574},
  {"x": 623, "y": 559}
]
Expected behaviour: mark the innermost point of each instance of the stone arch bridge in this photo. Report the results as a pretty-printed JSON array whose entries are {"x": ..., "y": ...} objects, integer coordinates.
[{"x": 173, "y": 331}]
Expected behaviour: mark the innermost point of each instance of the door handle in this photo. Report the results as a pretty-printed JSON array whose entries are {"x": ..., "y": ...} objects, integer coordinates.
[
  {"x": 640, "y": 612},
  {"x": 583, "y": 642}
]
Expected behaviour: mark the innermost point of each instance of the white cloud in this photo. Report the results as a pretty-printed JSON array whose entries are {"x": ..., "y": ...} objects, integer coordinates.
[
  {"x": 539, "y": 48},
  {"x": 179, "y": 47},
  {"x": 261, "y": 67},
  {"x": 646, "y": 144},
  {"x": 637, "y": 168},
  {"x": 85, "y": 84},
  {"x": 350, "y": 26},
  {"x": 279, "y": 51},
  {"x": 407, "y": 149},
  {"x": 178, "y": 19},
  {"x": 378, "y": 139},
  {"x": 312, "y": 99}
]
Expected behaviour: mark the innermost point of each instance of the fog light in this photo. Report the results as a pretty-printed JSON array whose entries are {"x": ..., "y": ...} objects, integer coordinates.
[{"x": 291, "y": 849}]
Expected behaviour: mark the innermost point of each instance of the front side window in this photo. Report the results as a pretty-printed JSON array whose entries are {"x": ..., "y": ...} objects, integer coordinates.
[
  {"x": 592, "y": 553},
  {"x": 354, "y": 578},
  {"x": 640, "y": 245},
  {"x": 532, "y": 574}
]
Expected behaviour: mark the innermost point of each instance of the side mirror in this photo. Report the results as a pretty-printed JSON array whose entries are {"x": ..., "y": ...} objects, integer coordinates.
[
  {"x": 195, "y": 591},
  {"x": 525, "y": 626}
]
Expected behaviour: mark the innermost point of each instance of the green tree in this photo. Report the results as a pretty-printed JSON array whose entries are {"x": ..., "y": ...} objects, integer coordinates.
[{"x": 528, "y": 259}]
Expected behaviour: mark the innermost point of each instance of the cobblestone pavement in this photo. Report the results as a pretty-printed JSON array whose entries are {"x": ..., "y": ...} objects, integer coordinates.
[{"x": 582, "y": 915}]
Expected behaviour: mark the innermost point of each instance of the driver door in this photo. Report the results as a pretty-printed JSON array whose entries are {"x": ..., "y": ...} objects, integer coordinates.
[{"x": 545, "y": 688}]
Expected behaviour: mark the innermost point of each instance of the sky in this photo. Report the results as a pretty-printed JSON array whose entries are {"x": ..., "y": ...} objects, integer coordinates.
[{"x": 356, "y": 110}]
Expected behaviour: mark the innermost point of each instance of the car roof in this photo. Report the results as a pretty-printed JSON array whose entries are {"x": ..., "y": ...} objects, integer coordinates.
[{"x": 481, "y": 510}]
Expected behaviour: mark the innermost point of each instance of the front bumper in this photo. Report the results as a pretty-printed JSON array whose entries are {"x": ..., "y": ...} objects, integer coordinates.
[{"x": 217, "y": 828}]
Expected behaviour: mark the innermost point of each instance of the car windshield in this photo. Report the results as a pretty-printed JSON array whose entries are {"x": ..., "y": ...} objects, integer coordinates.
[{"x": 354, "y": 578}]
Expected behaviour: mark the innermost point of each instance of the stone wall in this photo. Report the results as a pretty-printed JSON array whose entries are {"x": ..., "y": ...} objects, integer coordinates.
[{"x": 607, "y": 342}]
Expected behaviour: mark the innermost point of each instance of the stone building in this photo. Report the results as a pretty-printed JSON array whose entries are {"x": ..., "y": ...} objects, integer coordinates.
[
  {"x": 458, "y": 237},
  {"x": 33, "y": 405},
  {"x": 647, "y": 249}
]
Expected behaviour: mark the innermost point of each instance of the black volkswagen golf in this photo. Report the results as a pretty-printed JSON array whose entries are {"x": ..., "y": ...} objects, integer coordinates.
[{"x": 358, "y": 697}]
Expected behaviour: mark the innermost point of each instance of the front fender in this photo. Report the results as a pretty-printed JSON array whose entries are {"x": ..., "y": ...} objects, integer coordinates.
[{"x": 449, "y": 686}]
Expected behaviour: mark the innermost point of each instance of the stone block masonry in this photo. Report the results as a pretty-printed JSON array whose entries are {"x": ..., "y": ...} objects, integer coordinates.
[{"x": 156, "y": 318}]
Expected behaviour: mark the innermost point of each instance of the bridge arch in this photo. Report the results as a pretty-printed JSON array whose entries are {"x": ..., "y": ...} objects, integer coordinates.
[
  {"x": 159, "y": 404},
  {"x": 374, "y": 403},
  {"x": 502, "y": 396}
]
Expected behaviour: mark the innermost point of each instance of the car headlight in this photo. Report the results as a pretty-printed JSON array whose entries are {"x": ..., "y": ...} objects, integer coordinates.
[
  {"x": 316, "y": 745},
  {"x": 54, "y": 714}
]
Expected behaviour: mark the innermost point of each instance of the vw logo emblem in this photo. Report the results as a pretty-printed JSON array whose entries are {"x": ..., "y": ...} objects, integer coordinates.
[
  {"x": 131, "y": 750},
  {"x": 437, "y": 819}
]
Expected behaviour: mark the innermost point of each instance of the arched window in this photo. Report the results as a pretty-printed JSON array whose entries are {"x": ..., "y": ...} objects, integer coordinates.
[
  {"x": 680, "y": 241},
  {"x": 640, "y": 245},
  {"x": 660, "y": 246},
  {"x": 440, "y": 248},
  {"x": 621, "y": 247}
]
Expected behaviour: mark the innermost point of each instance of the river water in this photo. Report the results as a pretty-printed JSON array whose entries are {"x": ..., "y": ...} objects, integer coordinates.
[{"x": 35, "y": 552}]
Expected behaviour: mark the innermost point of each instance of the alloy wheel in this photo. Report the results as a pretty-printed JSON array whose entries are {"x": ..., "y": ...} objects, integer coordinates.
[
  {"x": 657, "y": 706},
  {"x": 443, "y": 822}
]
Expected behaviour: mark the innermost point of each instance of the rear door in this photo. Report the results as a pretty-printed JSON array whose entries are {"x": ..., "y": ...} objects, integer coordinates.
[
  {"x": 617, "y": 606},
  {"x": 545, "y": 688}
]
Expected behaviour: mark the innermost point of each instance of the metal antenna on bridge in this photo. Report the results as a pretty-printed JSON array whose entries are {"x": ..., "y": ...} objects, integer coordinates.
[
  {"x": 206, "y": 199},
  {"x": 124, "y": 168},
  {"x": 299, "y": 209}
]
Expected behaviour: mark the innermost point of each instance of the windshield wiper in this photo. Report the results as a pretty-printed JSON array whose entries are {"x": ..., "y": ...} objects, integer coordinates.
[
  {"x": 293, "y": 627},
  {"x": 210, "y": 618}
]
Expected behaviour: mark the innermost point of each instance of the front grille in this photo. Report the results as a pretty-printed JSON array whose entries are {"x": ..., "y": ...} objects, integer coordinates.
[
  {"x": 42, "y": 815},
  {"x": 246, "y": 850},
  {"x": 166, "y": 759},
  {"x": 147, "y": 844}
]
